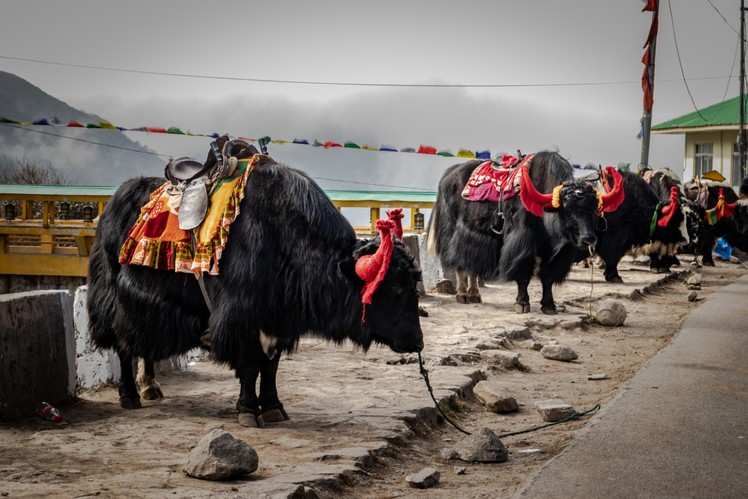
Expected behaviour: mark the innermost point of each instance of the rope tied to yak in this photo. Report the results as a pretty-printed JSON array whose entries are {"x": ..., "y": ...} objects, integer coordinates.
[{"x": 571, "y": 417}]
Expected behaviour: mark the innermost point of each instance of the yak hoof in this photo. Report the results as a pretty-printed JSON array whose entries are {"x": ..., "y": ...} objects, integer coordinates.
[
  {"x": 475, "y": 299},
  {"x": 206, "y": 341},
  {"x": 462, "y": 299},
  {"x": 708, "y": 263},
  {"x": 614, "y": 278},
  {"x": 250, "y": 420},
  {"x": 130, "y": 402},
  {"x": 522, "y": 308},
  {"x": 549, "y": 309},
  {"x": 152, "y": 392},
  {"x": 276, "y": 415}
]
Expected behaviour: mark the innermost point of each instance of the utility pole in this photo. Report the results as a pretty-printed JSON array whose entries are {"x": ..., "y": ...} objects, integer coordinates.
[
  {"x": 646, "y": 121},
  {"x": 742, "y": 143}
]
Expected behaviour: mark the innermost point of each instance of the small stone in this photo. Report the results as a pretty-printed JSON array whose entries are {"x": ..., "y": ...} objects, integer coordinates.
[
  {"x": 507, "y": 360},
  {"x": 495, "y": 399},
  {"x": 554, "y": 410},
  {"x": 611, "y": 313},
  {"x": 559, "y": 352},
  {"x": 693, "y": 296},
  {"x": 530, "y": 451},
  {"x": 695, "y": 279},
  {"x": 460, "y": 470},
  {"x": 570, "y": 324},
  {"x": 445, "y": 286},
  {"x": 424, "y": 479},
  {"x": 303, "y": 492},
  {"x": 482, "y": 447},
  {"x": 220, "y": 456},
  {"x": 448, "y": 454},
  {"x": 537, "y": 346},
  {"x": 597, "y": 377}
]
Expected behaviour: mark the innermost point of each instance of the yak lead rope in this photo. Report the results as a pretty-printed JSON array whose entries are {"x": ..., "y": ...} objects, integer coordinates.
[
  {"x": 571, "y": 417},
  {"x": 592, "y": 280}
]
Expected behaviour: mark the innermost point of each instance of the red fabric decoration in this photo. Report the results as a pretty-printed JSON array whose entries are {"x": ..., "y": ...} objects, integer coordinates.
[
  {"x": 426, "y": 150},
  {"x": 669, "y": 210},
  {"x": 534, "y": 201},
  {"x": 372, "y": 268},
  {"x": 615, "y": 195},
  {"x": 648, "y": 74},
  {"x": 486, "y": 182},
  {"x": 396, "y": 215}
]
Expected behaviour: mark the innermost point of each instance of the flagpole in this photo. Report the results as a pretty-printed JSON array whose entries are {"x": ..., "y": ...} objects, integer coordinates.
[{"x": 646, "y": 120}]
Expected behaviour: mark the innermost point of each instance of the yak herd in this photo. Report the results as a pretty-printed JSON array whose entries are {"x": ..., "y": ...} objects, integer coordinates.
[{"x": 294, "y": 266}]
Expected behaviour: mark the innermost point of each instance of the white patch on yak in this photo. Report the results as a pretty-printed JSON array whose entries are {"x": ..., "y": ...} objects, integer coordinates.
[{"x": 268, "y": 344}]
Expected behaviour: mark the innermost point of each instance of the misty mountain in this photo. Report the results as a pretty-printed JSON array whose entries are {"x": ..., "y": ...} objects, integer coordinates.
[{"x": 81, "y": 163}]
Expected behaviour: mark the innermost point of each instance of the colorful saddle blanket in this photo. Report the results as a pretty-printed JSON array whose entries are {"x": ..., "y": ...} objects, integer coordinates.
[
  {"x": 487, "y": 182},
  {"x": 156, "y": 240}
]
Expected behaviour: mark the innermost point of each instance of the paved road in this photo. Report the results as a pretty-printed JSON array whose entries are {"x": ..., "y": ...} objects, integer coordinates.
[{"x": 679, "y": 428}]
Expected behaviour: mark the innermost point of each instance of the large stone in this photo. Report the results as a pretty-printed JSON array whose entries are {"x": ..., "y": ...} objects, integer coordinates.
[
  {"x": 559, "y": 352},
  {"x": 611, "y": 313},
  {"x": 501, "y": 358},
  {"x": 522, "y": 333},
  {"x": 554, "y": 410},
  {"x": 494, "y": 398},
  {"x": 37, "y": 351},
  {"x": 482, "y": 447},
  {"x": 220, "y": 456},
  {"x": 424, "y": 479}
]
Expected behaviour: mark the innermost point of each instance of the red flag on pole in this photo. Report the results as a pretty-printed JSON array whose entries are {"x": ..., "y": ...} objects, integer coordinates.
[{"x": 647, "y": 58}]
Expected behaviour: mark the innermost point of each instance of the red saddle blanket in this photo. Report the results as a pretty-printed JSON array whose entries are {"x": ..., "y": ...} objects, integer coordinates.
[{"x": 486, "y": 182}]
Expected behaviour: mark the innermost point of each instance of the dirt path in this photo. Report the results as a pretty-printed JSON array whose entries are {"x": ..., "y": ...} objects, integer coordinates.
[{"x": 360, "y": 422}]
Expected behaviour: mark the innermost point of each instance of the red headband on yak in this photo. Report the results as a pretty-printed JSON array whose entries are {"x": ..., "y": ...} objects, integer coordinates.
[
  {"x": 669, "y": 210},
  {"x": 614, "y": 196},
  {"x": 372, "y": 268},
  {"x": 396, "y": 215}
]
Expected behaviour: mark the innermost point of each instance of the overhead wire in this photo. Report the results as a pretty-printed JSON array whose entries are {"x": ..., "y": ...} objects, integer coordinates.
[
  {"x": 680, "y": 62},
  {"x": 732, "y": 69}
]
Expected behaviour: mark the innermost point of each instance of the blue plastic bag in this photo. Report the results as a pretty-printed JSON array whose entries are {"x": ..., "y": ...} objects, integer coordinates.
[{"x": 723, "y": 250}]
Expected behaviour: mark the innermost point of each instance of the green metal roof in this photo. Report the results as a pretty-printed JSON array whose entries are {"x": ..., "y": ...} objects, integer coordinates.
[
  {"x": 335, "y": 195},
  {"x": 724, "y": 113}
]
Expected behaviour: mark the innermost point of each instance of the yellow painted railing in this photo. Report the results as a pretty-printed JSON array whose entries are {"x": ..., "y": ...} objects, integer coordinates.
[{"x": 49, "y": 230}]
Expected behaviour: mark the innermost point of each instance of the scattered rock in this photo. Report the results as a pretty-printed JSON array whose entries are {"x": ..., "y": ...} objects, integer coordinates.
[
  {"x": 597, "y": 377},
  {"x": 694, "y": 281},
  {"x": 422, "y": 312},
  {"x": 570, "y": 324},
  {"x": 448, "y": 454},
  {"x": 482, "y": 447},
  {"x": 303, "y": 492},
  {"x": 530, "y": 451},
  {"x": 537, "y": 346},
  {"x": 404, "y": 359},
  {"x": 494, "y": 398},
  {"x": 507, "y": 360},
  {"x": 611, "y": 313},
  {"x": 559, "y": 352},
  {"x": 220, "y": 456},
  {"x": 693, "y": 296},
  {"x": 424, "y": 479},
  {"x": 445, "y": 286},
  {"x": 457, "y": 359},
  {"x": 554, "y": 410},
  {"x": 517, "y": 334},
  {"x": 460, "y": 470}
]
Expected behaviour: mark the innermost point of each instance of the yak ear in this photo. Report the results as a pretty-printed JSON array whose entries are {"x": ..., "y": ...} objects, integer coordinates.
[{"x": 347, "y": 268}]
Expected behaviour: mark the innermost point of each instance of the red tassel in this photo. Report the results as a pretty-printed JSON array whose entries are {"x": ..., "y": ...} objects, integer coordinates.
[
  {"x": 669, "y": 210},
  {"x": 396, "y": 215},
  {"x": 372, "y": 268},
  {"x": 613, "y": 199}
]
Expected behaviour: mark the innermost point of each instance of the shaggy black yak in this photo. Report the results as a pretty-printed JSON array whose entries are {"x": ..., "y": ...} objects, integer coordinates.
[
  {"x": 718, "y": 213},
  {"x": 633, "y": 227},
  {"x": 292, "y": 267},
  {"x": 464, "y": 233}
]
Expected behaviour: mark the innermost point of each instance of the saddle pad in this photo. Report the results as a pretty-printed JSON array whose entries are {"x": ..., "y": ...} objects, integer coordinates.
[
  {"x": 156, "y": 241},
  {"x": 486, "y": 182}
]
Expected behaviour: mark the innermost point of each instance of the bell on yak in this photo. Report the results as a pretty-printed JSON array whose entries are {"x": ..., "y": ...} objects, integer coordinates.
[{"x": 194, "y": 204}]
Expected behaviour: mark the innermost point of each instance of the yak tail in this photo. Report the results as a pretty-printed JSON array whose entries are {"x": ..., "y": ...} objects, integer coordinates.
[{"x": 432, "y": 239}]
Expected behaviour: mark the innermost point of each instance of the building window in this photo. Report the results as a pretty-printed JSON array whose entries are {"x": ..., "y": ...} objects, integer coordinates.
[
  {"x": 737, "y": 175},
  {"x": 703, "y": 159}
]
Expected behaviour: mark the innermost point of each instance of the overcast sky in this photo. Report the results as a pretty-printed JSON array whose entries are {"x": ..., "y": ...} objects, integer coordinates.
[{"x": 517, "y": 41}]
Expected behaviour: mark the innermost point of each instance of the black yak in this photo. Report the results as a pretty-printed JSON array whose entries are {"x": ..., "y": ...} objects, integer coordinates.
[
  {"x": 633, "y": 225},
  {"x": 718, "y": 212},
  {"x": 291, "y": 267},
  {"x": 464, "y": 233}
]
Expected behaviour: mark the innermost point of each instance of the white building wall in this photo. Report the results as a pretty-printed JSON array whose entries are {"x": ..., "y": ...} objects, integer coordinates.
[{"x": 722, "y": 145}]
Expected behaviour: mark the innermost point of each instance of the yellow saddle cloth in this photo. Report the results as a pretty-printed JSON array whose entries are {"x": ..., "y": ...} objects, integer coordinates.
[{"x": 156, "y": 240}]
